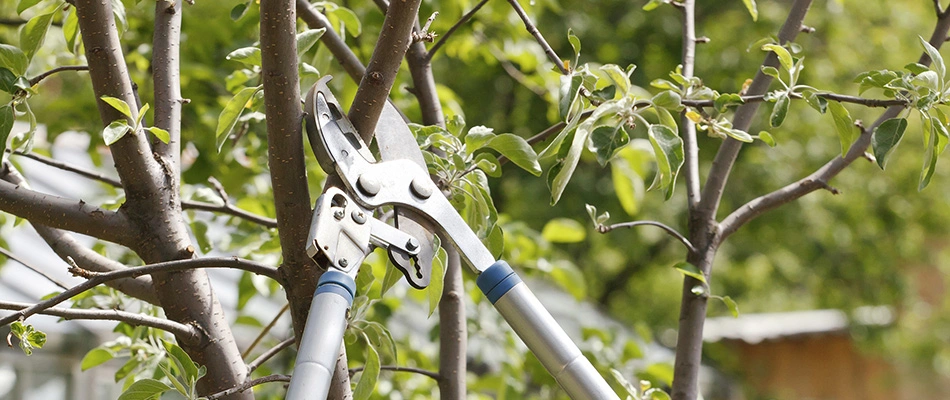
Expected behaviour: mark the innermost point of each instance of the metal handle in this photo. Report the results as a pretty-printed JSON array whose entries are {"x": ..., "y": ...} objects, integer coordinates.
[
  {"x": 322, "y": 336},
  {"x": 542, "y": 334}
]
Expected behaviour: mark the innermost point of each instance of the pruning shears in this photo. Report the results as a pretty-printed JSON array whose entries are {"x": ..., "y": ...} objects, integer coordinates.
[{"x": 344, "y": 230}]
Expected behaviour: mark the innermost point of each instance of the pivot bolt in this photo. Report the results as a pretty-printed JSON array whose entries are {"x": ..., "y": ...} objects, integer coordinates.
[
  {"x": 342, "y": 263},
  {"x": 338, "y": 214},
  {"x": 368, "y": 184},
  {"x": 411, "y": 245},
  {"x": 358, "y": 217},
  {"x": 421, "y": 187}
]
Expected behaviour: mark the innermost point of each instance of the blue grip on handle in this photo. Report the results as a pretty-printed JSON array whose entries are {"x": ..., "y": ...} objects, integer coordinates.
[
  {"x": 337, "y": 282},
  {"x": 497, "y": 280}
]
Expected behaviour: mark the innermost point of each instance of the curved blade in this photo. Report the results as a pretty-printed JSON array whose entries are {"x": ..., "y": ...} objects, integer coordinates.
[{"x": 395, "y": 141}]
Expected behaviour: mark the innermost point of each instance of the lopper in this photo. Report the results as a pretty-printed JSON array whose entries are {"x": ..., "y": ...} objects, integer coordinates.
[{"x": 344, "y": 230}]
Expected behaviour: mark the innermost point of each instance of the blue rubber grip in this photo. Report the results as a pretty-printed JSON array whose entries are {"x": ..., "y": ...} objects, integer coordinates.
[
  {"x": 497, "y": 280},
  {"x": 337, "y": 282}
]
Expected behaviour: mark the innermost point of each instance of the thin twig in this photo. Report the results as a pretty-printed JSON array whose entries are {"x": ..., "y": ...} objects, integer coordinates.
[
  {"x": 465, "y": 18},
  {"x": 96, "y": 278},
  {"x": 48, "y": 277},
  {"x": 186, "y": 333},
  {"x": 434, "y": 375},
  {"x": 533, "y": 30},
  {"x": 270, "y": 353},
  {"x": 265, "y": 330},
  {"x": 249, "y": 384},
  {"x": 229, "y": 209},
  {"x": 828, "y": 96},
  {"x": 690, "y": 144},
  {"x": 668, "y": 229},
  {"x": 71, "y": 168},
  {"x": 40, "y": 77}
]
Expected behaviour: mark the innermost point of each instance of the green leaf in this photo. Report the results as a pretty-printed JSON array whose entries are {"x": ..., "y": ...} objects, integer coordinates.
[
  {"x": 886, "y": 137},
  {"x": 770, "y": 71},
  {"x": 938, "y": 64},
  {"x": 847, "y": 132},
  {"x": 655, "y": 394},
  {"x": 7, "y": 116},
  {"x": 349, "y": 21},
  {"x": 307, "y": 38},
  {"x": 767, "y": 138},
  {"x": 731, "y": 304},
  {"x": 563, "y": 230},
  {"x": 231, "y": 112},
  {"x": 779, "y": 111},
  {"x": 71, "y": 31},
  {"x": 23, "y": 5},
  {"x": 690, "y": 270},
  {"x": 115, "y": 131},
  {"x": 667, "y": 99},
  {"x": 390, "y": 278},
  {"x": 173, "y": 378},
  {"x": 33, "y": 33},
  {"x": 817, "y": 102},
  {"x": 569, "y": 90},
  {"x": 723, "y": 101},
  {"x": 916, "y": 68},
  {"x": 753, "y": 10},
  {"x": 118, "y": 13},
  {"x": 575, "y": 45},
  {"x": 784, "y": 57},
  {"x": 605, "y": 141},
  {"x": 930, "y": 157},
  {"x": 366, "y": 385},
  {"x": 200, "y": 230},
  {"x": 142, "y": 111},
  {"x": 250, "y": 56},
  {"x": 654, "y": 4},
  {"x": 188, "y": 367},
  {"x": 12, "y": 58},
  {"x": 517, "y": 150},
  {"x": 95, "y": 357},
  {"x": 160, "y": 133},
  {"x": 145, "y": 389},
  {"x": 238, "y": 11},
  {"x": 119, "y": 105},
  {"x": 618, "y": 77},
  {"x": 436, "y": 283},
  {"x": 668, "y": 149},
  {"x": 626, "y": 173},
  {"x": 666, "y": 118},
  {"x": 568, "y": 164}
]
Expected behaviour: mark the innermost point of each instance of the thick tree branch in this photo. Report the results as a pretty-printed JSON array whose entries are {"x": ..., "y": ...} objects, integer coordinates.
[
  {"x": 270, "y": 353},
  {"x": 37, "y": 79},
  {"x": 729, "y": 150},
  {"x": 94, "y": 279},
  {"x": 182, "y": 331},
  {"x": 533, "y": 30},
  {"x": 666, "y": 228},
  {"x": 249, "y": 384},
  {"x": 68, "y": 249},
  {"x": 165, "y": 73},
  {"x": 391, "y": 47},
  {"x": 453, "y": 333},
  {"x": 462, "y": 21},
  {"x": 74, "y": 215},
  {"x": 337, "y": 46}
]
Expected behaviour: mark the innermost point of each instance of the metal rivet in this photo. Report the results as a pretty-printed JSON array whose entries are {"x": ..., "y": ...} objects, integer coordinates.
[
  {"x": 421, "y": 187},
  {"x": 411, "y": 245},
  {"x": 338, "y": 214},
  {"x": 343, "y": 263},
  {"x": 358, "y": 216},
  {"x": 368, "y": 184}
]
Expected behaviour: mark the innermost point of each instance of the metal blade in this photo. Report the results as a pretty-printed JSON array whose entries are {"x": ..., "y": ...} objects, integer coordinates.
[{"x": 395, "y": 141}]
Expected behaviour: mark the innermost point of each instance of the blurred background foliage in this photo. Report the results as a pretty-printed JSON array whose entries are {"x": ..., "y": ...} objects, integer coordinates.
[{"x": 865, "y": 246}]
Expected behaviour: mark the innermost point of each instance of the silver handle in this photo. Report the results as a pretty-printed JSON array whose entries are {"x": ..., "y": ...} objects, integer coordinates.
[{"x": 322, "y": 337}]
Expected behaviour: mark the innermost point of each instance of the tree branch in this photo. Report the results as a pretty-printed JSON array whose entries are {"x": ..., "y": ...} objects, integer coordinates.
[
  {"x": 182, "y": 331},
  {"x": 165, "y": 74},
  {"x": 71, "y": 168},
  {"x": 270, "y": 353},
  {"x": 533, "y": 30},
  {"x": 453, "y": 333},
  {"x": 94, "y": 279},
  {"x": 249, "y": 384},
  {"x": 829, "y": 96},
  {"x": 391, "y": 47},
  {"x": 435, "y": 376},
  {"x": 37, "y": 79},
  {"x": 672, "y": 232},
  {"x": 264, "y": 331},
  {"x": 75, "y": 215},
  {"x": 229, "y": 209},
  {"x": 8, "y": 254},
  {"x": 691, "y": 146},
  {"x": 465, "y": 18},
  {"x": 337, "y": 46}
]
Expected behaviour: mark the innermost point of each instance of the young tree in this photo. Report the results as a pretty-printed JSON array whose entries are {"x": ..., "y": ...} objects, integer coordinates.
[{"x": 134, "y": 67}]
